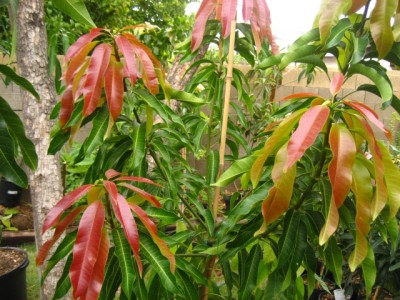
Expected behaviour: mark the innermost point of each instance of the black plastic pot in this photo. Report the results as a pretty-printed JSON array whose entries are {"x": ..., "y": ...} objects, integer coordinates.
[
  {"x": 13, "y": 284},
  {"x": 10, "y": 194}
]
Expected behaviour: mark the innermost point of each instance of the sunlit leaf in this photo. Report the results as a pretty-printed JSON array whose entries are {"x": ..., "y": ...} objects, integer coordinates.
[
  {"x": 205, "y": 10},
  {"x": 331, "y": 223},
  {"x": 76, "y": 9},
  {"x": 76, "y": 47},
  {"x": 336, "y": 83},
  {"x": 114, "y": 88}
]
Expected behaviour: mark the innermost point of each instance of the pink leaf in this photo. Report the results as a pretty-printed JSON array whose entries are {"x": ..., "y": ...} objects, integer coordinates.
[
  {"x": 86, "y": 248},
  {"x": 95, "y": 77},
  {"x": 112, "y": 173},
  {"x": 138, "y": 179},
  {"x": 82, "y": 42},
  {"x": 126, "y": 48},
  {"x": 114, "y": 88},
  {"x": 247, "y": 9},
  {"x": 228, "y": 15},
  {"x": 310, "y": 125},
  {"x": 206, "y": 9},
  {"x": 68, "y": 200},
  {"x": 336, "y": 83},
  {"x": 300, "y": 96},
  {"x": 147, "y": 196}
]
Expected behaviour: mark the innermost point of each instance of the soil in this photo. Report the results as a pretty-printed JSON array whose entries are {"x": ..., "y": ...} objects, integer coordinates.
[
  {"x": 24, "y": 219},
  {"x": 10, "y": 259}
]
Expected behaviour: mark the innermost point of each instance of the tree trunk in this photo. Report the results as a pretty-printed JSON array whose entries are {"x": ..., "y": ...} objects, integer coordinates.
[{"x": 45, "y": 182}]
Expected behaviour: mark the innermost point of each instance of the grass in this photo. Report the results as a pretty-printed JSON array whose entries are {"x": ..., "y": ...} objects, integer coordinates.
[{"x": 32, "y": 277}]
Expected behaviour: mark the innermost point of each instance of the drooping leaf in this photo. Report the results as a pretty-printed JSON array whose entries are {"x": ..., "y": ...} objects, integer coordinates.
[
  {"x": 238, "y": 168},
  {"x": 152, "y": 229},
  {"x": 336, "y": 83},
  {"x": 228, "y": 14},
  {"x": 138, "y": 137},
  {"x": 369, "y": 114},
  {"x": 76, "y": 9},
  {"x": 149, "y": 197},
  {"x": 97, "y": 278},
  {"x": 11, "y": 122},
  {"x": 95, "y": 76},
  {"x": 273, "y": 143},
  {"x": 392, "y": 175},
  {"x": 21, "y": 81},
  {"x": 334, "y": 260},
  {"x": 87, "y": 248},
  {"x": 82, "y": 42},
  {"x": 369, "y": 271},
  {"x": 310, "y": 125},
  {"x": 114, "y": 88},
  {"x": 248, "y": 283},
  {"x": 340, "y": 168},
  {"x": 383, "y": 84},
  {"x": 381, "y": 28},
  {"x": 113, "y": 275},
  {"x": 69, "y": 199},
  {"x": 67, "y": 106},
  {"x": 205, "y": 10},
  {"x": 61, "y": 226},
  {"x": 212, "y": 167},
  {"x": 63, "y": 283},
  {"x": 331, "y": 223},
  {"x": 363, "y": 193},
  {"x": 123, "y": 253}
]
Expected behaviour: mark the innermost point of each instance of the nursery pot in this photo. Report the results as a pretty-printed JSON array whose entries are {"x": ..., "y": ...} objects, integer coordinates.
[
  {"x": 13, "y": 282},
  {"x": 10, "y": 193}
]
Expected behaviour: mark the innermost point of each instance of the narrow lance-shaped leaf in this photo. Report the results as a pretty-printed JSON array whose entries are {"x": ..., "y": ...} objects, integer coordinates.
[
  {"x": 76, "y": 9},
  {"x": 86, "y": 248},
  {"x": 131, "y": 68},
  {"x": 340, "y": 168},
  {"x": 228, "y": 14},
  {"x": 65, "y": 202},
  {"x": 370, "y": 114},
  {"x": 125, "y": 217},
  {"x": 114, "y": 88},
  {"x": 95, "y": 77},
  {"x": 205, "y": 10},
  {"x": 61, "y": 226},
  {"x": 67, "y": 106},
  {"x": 278, "y": 199},
  {"x": 21, "y": 81},
  {"x": 249, "y": 283},
  {"x": 144, "y": 194},
  {"x": 273, "y": 143},
  {"x": 363, "y": 193},
  {"x": 369, "y": 271},
  {"x": 310, "y": 125},
  {"x": 152, "y": 229},
  {"x": 82, "y": 42},
  {"x": 392, "y": 175},
  {"x": 381, "y": 28},
  {"x": 97, "y": 278},
  {"x": 331, "y": 223},
  {"x": 336, "y": 83}
]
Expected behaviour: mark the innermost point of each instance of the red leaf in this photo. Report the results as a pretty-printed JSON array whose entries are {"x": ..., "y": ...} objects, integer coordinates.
[
  {"x": 112, "y": 173},
  {"x": 371, "y": 115},
  {"x": 247, "y": 9},
  {"x": 66, "y": 201},
  {"x": 95, "y": 77},
  {"x": 206, "y": 9},
  {"x": 336, "y": 83},
  {"x": 96, "y": 281},
  {"x": 76, "y": 62},
  {"x": 300, "y": 96},
  {"x": 126, "y": 48},
  {"x": 87, "y": 248},
  {"x": 148, "y": 75},
  {"x": 60, "y": 227},
  {"x": 310, "y": 125},
  {"x": 147, "y": 196},
  {"x": 111, "y": 189},
  {"x": 228, "y": 14},
  {"x": 340, "y": 169},
  {"x": 152, "y": 229},
  {"x": 138, "y": 179},
  {"x": 79, "y": 80},
  {"x": 67, "y": 106},
  {"x": 82, "y": 42},
  {"x": 125, "y": 217},
  {"x": 114, "y": 88}
]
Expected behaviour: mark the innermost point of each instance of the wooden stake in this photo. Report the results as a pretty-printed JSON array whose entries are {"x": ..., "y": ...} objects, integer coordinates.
[{"x": 228, "y": 86}]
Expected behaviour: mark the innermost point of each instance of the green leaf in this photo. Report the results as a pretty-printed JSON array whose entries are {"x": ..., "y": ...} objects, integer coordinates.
[
  {"x": 383, "y": 84},
  {"x": 189, "y": 289},
  {"x": 212, "y": 167},
  {"x": 287, "y": 242},
  {"x": 112, "y": 277},
  {"x": 201, "y": 127},
  {"x": 16, "y": 129},
  {"x": 338, "y": 32},
  {"x": 96, "y": 136},
  {"x": 63, "y": 283},
  {"x": 187, "y": 97},
  {"x": 165, "y": 216},
  {"x": 138, "y": 145},
  {"x": 334, "y": 260},
  {"x": 248, "y": 283},
  {"x": 76, "y": 9},
  {"x": 123, "y": 253},
  {"x": 21, "y": 81},
  {"x": 58, "y": 141},
  {"x": 8, "y": 165},
  {"x": 296, "y": 54},
  {"x": 191, "y": 270},
  {"x": 158, "y": 263},
  {"x": 369, "y": 271}
]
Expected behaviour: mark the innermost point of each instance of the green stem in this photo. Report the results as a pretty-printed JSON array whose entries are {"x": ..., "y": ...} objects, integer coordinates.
[{"x": 364, "y": 18}]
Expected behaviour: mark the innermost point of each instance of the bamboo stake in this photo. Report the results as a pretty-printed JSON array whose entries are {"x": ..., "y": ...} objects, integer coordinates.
[{"x": 228, "y": 86}]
